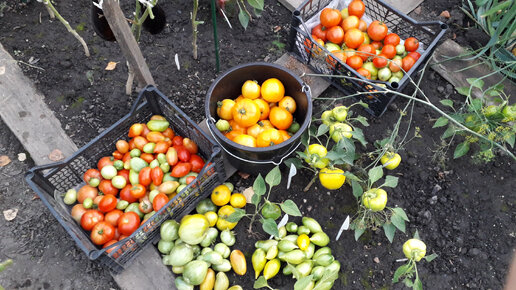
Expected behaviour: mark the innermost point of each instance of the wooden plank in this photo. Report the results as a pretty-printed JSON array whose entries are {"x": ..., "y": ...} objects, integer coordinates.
[
  {"x": 317, "y": 84},
  {"x": 127, "y": 42},
  {"x": 449, "y": 69},
  {"x": 29, "y": 118}
]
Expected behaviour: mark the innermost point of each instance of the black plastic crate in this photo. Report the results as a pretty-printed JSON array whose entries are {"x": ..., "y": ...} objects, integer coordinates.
[
  {"x": 316, "y": 56},
  {"x": 52, "y": 180}
]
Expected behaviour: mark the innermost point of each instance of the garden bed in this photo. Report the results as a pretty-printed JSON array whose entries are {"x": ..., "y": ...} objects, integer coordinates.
[{"x": 465, "y": 212}]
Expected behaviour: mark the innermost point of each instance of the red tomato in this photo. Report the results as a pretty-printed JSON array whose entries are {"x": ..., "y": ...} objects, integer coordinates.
[
  {"x": 125, "y": 194},
  {"x": 177, "y": 140},
  {"x": 389, "y": 50},
  {"x": 391, "y": 38},
  {"x": 377, "y": 30},
  {"x": 127, "y": 156},
  {"x": 380, "y": 61},
  {"x": 320, "y": 32},
  {"x": 168, "y": 133},
  {"x": 182, "y": 153},
  {"x": 181, "y": 169},
  {"x": 161, "y": 147},
  {"x": 90, "y": 218},
  {"x": 106, "y": 160},
  {"x": 144, "y": 176},
  {"x": 135, "y": 130},
  {"x": 145, "y": 131},
  {"x": 108, "y": 203},
  {"x": 330, "y": 17},
  {"x": 117, "y": 233},
  {"x": 357, "y": 8},
  {"x": 159, "y": 201},
  {"x": 365, "y": 51},
  {"x": 415, "y": 55},
  {"x": 117, "y": 155},
  {"x": 102, "y": 233},
  {"x": 113, "y": 216},
  {"x": 156, "y": 175},
  {"x": 107, "y": 187},
  {"x": 197, "y": 163},
  {"x": 125, "y": 174},
  {"x": 128, "y": 223},
  {"x": 411, "y": 44},
  {"x": 354, "y": 61},
  {"x": 138, "y": 191},
  {"x": 407, "y": 62},
  {"x": 145, "y": 205},
  {"x": 190, "y": 179},
  {"x": 148, "y": 157},
  {"x": 90, "y": 174},
  {"x": 106, "y": 245},
  {"x": 377, "y": 44},
  {"x": 190, "y": 145},
  {"x": 122, "y": 146},
  {"x": 335, "y": 34}
]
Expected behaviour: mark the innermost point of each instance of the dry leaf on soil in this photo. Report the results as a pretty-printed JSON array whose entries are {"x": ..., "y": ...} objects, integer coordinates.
[
  {"x": 111, "y": 65},
  {"x": 56, "y": 155},
  {"x": 445, "y": 14},
  {"x": 248, "y": 193},
  {"x": 2, "y": 70},
  {"x": 4, "y": 160},
  {"x": 10, "y": 214}
]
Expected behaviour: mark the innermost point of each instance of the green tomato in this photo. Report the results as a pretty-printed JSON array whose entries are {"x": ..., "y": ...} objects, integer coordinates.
[
  {"x": 315, "y": 155},
  {"x": 108, "y": 172},
  {"x": 400, "y": 49},
  {"x": 375, "y": 199},
  {"x": 394, "y": 79},
  {"x": 158, "y": 125},
  {"x": 509, "y": 112},
  {"x": 327, "y": 118},
  {"x": 205, "y": 206},
  {"x": 87, "y": 203},
  {"x": 384, "y": 74},
  {"x": 294, "y": 127},
  {"x": 118, "y": 182},
  {"x": 414, "y": 249},
  {"x": 331, "y": 46},
  {"x": 222, "y": 125},
  {"x": 134, "y": 207},
  {"x": 340, "y": 113},
  {"x": 332, "y": 178},
  {"x": 271, "y": 210},
  {"x": 339, "y": 131},
  {"x": 119, "y": 164},
  {"x": 371, "y": 68},
  {"x": 398, "y": 74},
  {"x": 390, "y": 160},
  {"x": 70, "y": 196}
]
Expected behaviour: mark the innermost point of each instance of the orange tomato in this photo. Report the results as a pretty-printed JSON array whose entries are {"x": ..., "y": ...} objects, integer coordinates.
[
  {"x": 355, "y": 62},
  {"x": 246, "y": 112},
  {"x": 335, "y": 34},
  {"x": 288, "y": 103},
  {"x": 336, "y": 54},
  {"x": 377, "y": 30},
  {"x": 330, "y": 17},
  {"x": 350, "y": 23},
  {"x": 237, "y": 127},
  {"x": 224, "y": 109},
  {"x": 264, "y": 108},
  {"x": 389, "y": 50},
  {"x": 259, "y": 127},
  {"x": 357, "y": 8},
  {"x": 155, "y": 137},
  {"x": 395, "y": 65},
  {"x": 362, "y": 25},
  {"x": 272, "y": 90},
  {"x": 377, "y": 44},
  {"x": 353, "y": 38},
  {"x": 380, "y": 61},
  {"x": 251, "y": 89},
  {"x": 349, "y": 52},
  {"x": 365, "y": 73},
  {"x": 391, "y": 38},
  {"x": 232, "y": 134},
  {"x": 269, "y": 137},
  {"x": 280, "y": 118},
  {"x": 407, "y": 62},
  {"x": 284, "y": 134},
  {"x": 139, "y": 142},
  {"x": 246, "y": 140},
  {"x": 365, "y": 51},
  {"x": 411, "y": 44}
]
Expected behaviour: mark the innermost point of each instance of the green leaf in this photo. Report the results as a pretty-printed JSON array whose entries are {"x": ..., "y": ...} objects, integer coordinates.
[
  {"x": 273, "y": 178},
  {"x": 402, "y": 270},
  {"x": 448, "y": 103},
  {"x": 258, "y": 4},
  {"x": 476, "y": 82},
  {"x": 259, "y": 186},
  {"x": 358, "y": 233},
  {"x": 303, "y": 282},
  {"x": 476, "y": 105},
  {"x": 463, "y": 90},
  {"x": 417, "y": 284},
  {"x": 304, "y": 139},
  {"x": 430, "y": 258},
  {"x": 358, "y": 134},
  {"x": 236, "y": 215},
  {"x": 408, "y": 282},
  {"x": 375, "y": 173},
  {"x": 260, "y": 283},
  {"x": 243, "y": 18},
  {"x": 289, "y": 207},
  {"x": 398, "y": 222},
  {"x": 450, "y": 131},
  {"x": 461, "y": 150},
  {"x": 321, "y": 130},
  {"x": 362, "y": 121},
  {"x": 351, "y": 176},
  {"x": 297, "y": 163},
  {"x": 270, "y": 227},
  {"x": 510, "y": 138},
  {"x": 441, "y": 122},
  {"x": 345, "y": 144},
  {"x": 389, "y": 229},
  {"x": 390, "y": 181},
  {"x": 329, "y": 276},
  {"x": 416, "y": 235},
  {"x": 400, "y": 212},
  {"x": 255, "y": 199},
  {"x": 357, "y": 189}
]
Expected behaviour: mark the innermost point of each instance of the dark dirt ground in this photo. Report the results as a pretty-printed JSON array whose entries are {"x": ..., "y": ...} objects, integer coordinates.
[{"x": 465, "y": 212}]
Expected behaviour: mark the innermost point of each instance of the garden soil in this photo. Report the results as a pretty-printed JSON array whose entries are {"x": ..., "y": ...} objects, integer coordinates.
[{"x": 465, "y": 211}]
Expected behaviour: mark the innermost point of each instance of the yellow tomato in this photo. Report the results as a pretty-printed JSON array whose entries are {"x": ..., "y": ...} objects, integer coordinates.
[
  {"x": 272, "y": 90},
  {"x": 303, "y": 241},
  {"x": 237, "y": 200},
  {"x": 221, "y": 195},
  {"x": 212, "y": 218},
  {"x": 264, "y": 108},
  {"x": 246, "y": 140},
  {"x": 251, "y": 90},
  {"x": 223, "y": 213},
  {"x": 224, "y": 109},
  {"x": 288, "y": 103},
  {"x": 246, "y": 112}
]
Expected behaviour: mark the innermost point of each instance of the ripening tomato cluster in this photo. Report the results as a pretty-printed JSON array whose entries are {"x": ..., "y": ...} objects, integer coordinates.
[
  {"x": 135, "y": 182},
  {"x": 369, "y": 49},
  {"x": 261, "y": 116}
]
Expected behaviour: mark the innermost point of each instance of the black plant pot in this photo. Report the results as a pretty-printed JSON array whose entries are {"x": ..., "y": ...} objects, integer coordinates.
[
  {"x": 100, "y": 24},
  {"x": 156, "y": 25}
]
